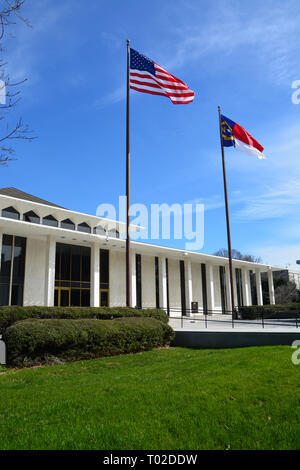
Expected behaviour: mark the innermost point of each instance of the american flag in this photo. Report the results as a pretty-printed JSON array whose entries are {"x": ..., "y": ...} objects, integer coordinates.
[{"x": 149, "y": 77}]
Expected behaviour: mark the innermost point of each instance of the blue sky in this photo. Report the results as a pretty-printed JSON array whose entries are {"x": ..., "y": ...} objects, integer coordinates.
[{"x": 241, "y": 55}]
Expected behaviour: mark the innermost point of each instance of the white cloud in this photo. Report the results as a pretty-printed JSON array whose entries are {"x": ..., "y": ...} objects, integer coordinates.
[
  {"x": 113, "y": 97},
  {"x": 280, "y": 201},
  {"x": 279, "y": 255},
  {"x": 268, "y": 35}
]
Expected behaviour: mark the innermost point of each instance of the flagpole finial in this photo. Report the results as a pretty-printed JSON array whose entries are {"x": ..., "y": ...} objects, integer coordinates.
[{"x": 128, "y": 42}]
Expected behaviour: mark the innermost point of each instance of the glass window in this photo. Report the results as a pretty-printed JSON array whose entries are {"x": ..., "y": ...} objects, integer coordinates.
[
  {"x": 12, "y": 271},
  {"x": 168, "y": 292},
  {"x": 19, "y": 260},
  {"x": 65, "y": 262},
  {"x": 11, "y": 213},
  {"x": 85, "y": 264},
  {"x": 76, "y": 263},
  {"x": 182, "y": 288},
  {"x": 31, "y": 217},
  {"x": 104, "y": 269},
  {"x": 85, "y": 297},
  {"x": 204, "y": 288},
  {"x": 68, "y": 224},
  {"x": 72, "y": 275},
  {"x": 113, "y": 233},
  {"x": 50, "y": 220},
  {"x": 84, "y": 228},
  {"x": 157, "y": 281},
  {"x": 138, "y": 268},
  {"x": 75, "y": 297},
  {"x": 6, "y": 254},
  {"x": 238, "y": 275},
  {"x": 223, "y": 288},
  {"x": 4, "y": 294},
  {"x": 104, "y": 298},
  {"x": 99, "y": 230}
]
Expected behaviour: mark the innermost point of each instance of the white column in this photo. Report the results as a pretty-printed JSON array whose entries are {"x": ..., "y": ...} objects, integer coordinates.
[
  {"x": 210, "y": 288},
  {"x": 271, "y": 287},
  {"x": 133, "y": 279},
  {"x": 95, "y": 276},
  {"x": 258, "y": 288},
  {"x": 163, "y": 283},
  {"x": 50, "y": 271},
  {"x": 246, "y": 286},
  {"x": 189, "y": 290}
]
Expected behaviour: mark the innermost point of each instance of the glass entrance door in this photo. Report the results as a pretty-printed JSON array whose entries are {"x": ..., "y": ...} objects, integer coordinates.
[
  {"x": 104, "y": 298},
  {"x": 62, "y": 297}
]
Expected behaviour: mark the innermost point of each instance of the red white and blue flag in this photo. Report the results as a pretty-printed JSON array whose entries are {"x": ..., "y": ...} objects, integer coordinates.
[
  {"x": 149, "y": 77},
  {"x": 235, "y": 135}
]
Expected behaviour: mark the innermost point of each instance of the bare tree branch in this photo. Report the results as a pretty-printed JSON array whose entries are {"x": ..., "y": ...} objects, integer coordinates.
[{"x": 10, "y": 14}]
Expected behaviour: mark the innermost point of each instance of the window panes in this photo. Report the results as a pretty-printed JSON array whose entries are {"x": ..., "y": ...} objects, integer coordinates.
[
  {"x": 182, "y": 287},
  {"x": 157, "y": 281},
  {"x": 12, "y": 271},
  {"x": 223, "y": 288},
  {"x": 31, "y": 217},
  {"x": 104, "y": 269},
  {"x": 68, "y": 224},
  {"x": 11, "y": 213},
  {"x": 84, "y": 228},
  {"x": 50, "y": 220},
  {"x": 99, "y": 230},
  {"x": 72, "y": 275},
  {"x": 204, "y": 287},
  {"x": 138, "y": 267},
  {"x": 113, "y": 233},
  {"x": 239, "y": 289}
]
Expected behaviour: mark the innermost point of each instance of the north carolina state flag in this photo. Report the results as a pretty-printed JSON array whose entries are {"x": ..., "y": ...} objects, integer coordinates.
[{"x": 235, "y": 135}]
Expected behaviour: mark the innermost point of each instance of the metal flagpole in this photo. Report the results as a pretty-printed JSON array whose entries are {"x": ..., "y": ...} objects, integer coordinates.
[
  {"x": 227, "y": 222},
  {"x": 128, "y": 263}
]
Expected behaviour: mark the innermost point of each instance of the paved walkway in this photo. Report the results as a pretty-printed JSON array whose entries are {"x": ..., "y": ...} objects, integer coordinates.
[{"x": 224, "y": 323}]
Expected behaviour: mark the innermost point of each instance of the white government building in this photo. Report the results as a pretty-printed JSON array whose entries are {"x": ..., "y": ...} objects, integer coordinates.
[{"x": 54, "y": 256}]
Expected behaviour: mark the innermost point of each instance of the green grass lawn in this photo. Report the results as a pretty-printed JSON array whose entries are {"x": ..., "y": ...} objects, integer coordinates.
[{"x": 165, "y": 399}]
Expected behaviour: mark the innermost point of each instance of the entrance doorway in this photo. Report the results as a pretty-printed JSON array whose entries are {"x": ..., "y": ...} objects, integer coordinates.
[
  {"x": 104, "y": 298},
  {"x": 62, "y": 296}
]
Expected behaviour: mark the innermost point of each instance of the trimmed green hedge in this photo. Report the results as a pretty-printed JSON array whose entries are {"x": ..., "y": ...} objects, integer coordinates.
[
  {"x": 10, "y": 315},
  {"x": 254, "y": 312},
  {"x": 32, "y": 341}
]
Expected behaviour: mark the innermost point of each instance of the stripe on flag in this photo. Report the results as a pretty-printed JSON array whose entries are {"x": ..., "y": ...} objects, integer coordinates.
[{"x": 149, "y": 77}]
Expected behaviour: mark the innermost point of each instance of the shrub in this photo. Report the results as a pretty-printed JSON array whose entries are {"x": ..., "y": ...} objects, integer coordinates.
[
  {"x": 254, "y": 312},
  {"x": 38, "y": 341},
  {"x": 10, "y": 315}
]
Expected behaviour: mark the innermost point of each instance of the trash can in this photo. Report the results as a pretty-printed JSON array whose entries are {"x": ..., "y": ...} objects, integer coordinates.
[{"x": 194, "y": 307}]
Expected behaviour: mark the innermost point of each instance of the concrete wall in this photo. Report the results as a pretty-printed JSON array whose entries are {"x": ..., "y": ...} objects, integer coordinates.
[
  {"x": 148, "y": 281},
  {"x": 117, "y": 277},
  {"x": 35, "y": 271},
  {"x": 231, "y": 339}
]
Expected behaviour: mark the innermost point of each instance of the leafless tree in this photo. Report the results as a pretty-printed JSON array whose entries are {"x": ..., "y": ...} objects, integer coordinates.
[
  {"x": 286, "y": 293},
  {"x": 238, "y": 255},
  {"x": 10, "y": 14}
]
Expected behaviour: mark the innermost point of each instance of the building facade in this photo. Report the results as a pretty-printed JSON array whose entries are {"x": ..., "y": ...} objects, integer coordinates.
[{"x": 53, "y": 256}]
